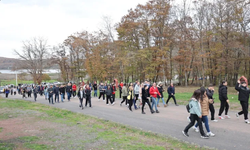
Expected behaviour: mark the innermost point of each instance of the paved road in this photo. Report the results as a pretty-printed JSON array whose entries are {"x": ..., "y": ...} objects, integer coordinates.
[{"x": 231, "y": 134}]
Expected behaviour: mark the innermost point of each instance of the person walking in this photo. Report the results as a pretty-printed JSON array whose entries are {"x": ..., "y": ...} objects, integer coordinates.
[
  {"x": 171, "y": 94},
  {"x": 243, "y": 97},
  {"x": 62, "y": 92},
  {"x": 56, "y": 92},
  {"x": 88, "y": 96},
  {"x": 146, "y": 100},
  {"x": 69, "y": 91},
  {"x": 161, "y": 90},
  {"x": 153, "y": 92},
  {"x": 113, "y": 92},
  {"x": 45, "y": 92},
  {"x": 108, "y": 96},
  {"x": 74, "y": 88},
  {"x": 95, "y": 89},
  {"x": 120, "y": 88},
  {"x": 124, "y": 95},
  {"x": 137, "y": 93},
  {"x": 50, "y": 91},
  {"x": 102, "y": 92},
  {"x": 81, "y": 95},
  {"x": 210, "y": 93},
  {"x": 29, "y": 90},
  {"x": 130, "y": 97},
  {"x": 35, "y": 91},
  {"x": 224, "y": 102},
  {"x": 204, "y": 101},
  {"x": 7, "y": 91},
  {"x": 195, "y": 114}
]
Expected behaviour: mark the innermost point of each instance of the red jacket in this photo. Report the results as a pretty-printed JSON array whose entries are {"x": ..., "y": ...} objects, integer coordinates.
[
  {"x": 152, "y": 91},
  {"x": 121, "y": 85},
  {"x": 74, "y": 87}
]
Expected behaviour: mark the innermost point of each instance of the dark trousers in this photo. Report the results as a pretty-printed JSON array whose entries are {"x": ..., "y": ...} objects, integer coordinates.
[
  {"x": 113, "y": 97},
  {"x": 81, "y": 101},
  {"x": 108, "y": 98},
  {"x": 102, "y": 95},
  {"x": 120, "y": 93},
  {"x": 35, "y": 96},
  {"x": 124, "y": 100},
  {"x": 171, "y": 96},
  {"x": 130, "y": 102},
  {"x": 88, "y": 100},
  {"x": 57, "y": 97},
  {"x": 244, "y": 111},
  {"x": 74, "y": 93},
  {"x": 29, "y": 94},
  {"x": 193, "y": 118},
  {"x": 223, "y": 105},
  {"x": 6, "y": 94},
  {"x": 51, "y": 98},
  {"x": 212, "y": 110},
  {"x": 144, "y": 101}
]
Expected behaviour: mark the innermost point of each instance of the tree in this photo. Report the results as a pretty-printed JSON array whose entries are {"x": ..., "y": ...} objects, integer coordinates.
[
  {"x": 45, "y": 77},
  {"x": 35, "y": 56}
]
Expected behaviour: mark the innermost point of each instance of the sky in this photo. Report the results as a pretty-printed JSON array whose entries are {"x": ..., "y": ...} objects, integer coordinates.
[{"x": 54, "y": 20}]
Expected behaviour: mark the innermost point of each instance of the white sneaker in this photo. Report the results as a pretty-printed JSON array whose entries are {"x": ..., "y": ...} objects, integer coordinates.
[
  {"x": 215, "y": 120},
  {"x": 246, "y": 121},
  {"x": 195, "y": 129},
  {"x": 107, "y": 104},
  {"x": 220, "y": 117},
  {"x": 98, "y": 99},
  {"x": 113, "y": 104},
  {"x": 228, "y": 117},
  {"x": 237, "y": 115},
  {"x": 210, "y": 134}
]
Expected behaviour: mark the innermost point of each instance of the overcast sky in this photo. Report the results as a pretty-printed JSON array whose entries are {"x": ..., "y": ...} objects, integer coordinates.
[{"x": 54, "y": 20}]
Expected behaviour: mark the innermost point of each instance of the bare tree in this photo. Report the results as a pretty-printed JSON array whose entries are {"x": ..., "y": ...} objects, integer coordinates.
[{"x": 35, "y": 56}]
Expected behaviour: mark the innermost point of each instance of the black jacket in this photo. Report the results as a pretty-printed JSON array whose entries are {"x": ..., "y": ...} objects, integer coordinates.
[
  {"x": 69, "y": 89},
  {"x": 79, "y": 94},
  {"x": 109, "y": 92},
  {"x": 223, "y": 93},
  {"x": 95, "y": 86},
  {"x": 210, "y": 94},
  {"x": 62, "y": 90},
  {"x": 144, "y": 94},
  {"x": 160, "y": 89},
  {"x": 56, "y": 90},
  {"x": 88, "y": 92},
  {"x": 243, "y": 93},
  {"x": 50, "y": 91}
]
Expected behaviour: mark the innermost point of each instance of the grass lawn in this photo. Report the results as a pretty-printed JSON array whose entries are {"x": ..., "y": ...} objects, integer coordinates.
[
  {"x": 28, "y": 125},
  {"x": 4, "y": 82}
]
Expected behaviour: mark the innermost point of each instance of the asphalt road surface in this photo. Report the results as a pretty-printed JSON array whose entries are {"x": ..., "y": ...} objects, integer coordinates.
[{"x": 231, "y": 134}]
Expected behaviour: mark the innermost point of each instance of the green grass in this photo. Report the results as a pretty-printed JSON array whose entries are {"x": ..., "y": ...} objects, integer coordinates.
[
  {"x": 6, "y": 146},
  {"x": 4, "y": 82},
  {"x": 1, "y": 129},
  {"x": 116, "y": 136}
]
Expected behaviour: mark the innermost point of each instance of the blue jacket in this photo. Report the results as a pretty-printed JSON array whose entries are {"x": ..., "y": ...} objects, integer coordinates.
[{"x": 171, "y": 90}]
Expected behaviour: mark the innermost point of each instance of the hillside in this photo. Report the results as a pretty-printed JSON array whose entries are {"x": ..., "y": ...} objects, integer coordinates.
[{"x": 7, "y": 63}]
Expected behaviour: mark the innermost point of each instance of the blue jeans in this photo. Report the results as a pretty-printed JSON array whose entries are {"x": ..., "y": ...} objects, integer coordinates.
[
  {"x": 46, "y": 94},
  {"x": 154, "y": 103},
  {"x": 134, "y": 101},
  {"x": 95, "y": 93},
  {"x": 69, "y": 95},
  {"x": 62, "y": 95},
  {"x": 57, "y": 97},
  {"x": 162, "y": 101},
  {"x": 205, "y": 120}
]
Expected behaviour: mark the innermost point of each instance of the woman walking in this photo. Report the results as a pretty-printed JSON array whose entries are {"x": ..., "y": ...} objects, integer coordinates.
[
  {"x": 81, "y": 95},
  {"x": 161, "y": 90},
  {"x": 145, "y": 99},
  {"x": 204, "y": 101},
  {"x": 224, "y": 102},
  {"x": 195, "y": 114},
  {"x": 154, "y": 92},
  {"x": 130, "y": 97},
  {"x": 124, "y": 94},
  {"x": 88, "y": 96},
  {"x": 109, "y": 95}
]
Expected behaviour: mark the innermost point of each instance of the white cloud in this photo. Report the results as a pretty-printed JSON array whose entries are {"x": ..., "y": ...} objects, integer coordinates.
[{"x": 54, "y": 19}]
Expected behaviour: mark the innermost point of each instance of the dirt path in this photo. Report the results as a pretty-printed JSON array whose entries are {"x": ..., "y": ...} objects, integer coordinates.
[{"x": 230, "y": 133}]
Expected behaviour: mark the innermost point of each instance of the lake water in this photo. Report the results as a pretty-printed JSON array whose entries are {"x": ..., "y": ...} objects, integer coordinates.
[{"x": 22, "y": 71}]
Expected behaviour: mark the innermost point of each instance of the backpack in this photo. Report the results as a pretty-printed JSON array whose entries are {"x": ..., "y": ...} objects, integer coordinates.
[{"x": 188, "y": 107}]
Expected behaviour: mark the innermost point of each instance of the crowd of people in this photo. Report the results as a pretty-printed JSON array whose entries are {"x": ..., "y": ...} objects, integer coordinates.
[{"x": 136, "y": 95}]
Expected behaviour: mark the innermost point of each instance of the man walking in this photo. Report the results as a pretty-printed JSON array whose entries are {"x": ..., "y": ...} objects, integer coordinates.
[
  {"x": 50, "y": 91},
  {"x": 224, "y": 102},
  {"x": 102, "y": 92},
  {"x": 35, "y": 91},
  {"x": 95, "y": 89},
  {"x": 56, "y": 92},
  {"x": 210, "y": 93},
  {"x": 69, "y": 91},
  {"x": 243, "y": 98},
  {"x": 171, "y": 94}
]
